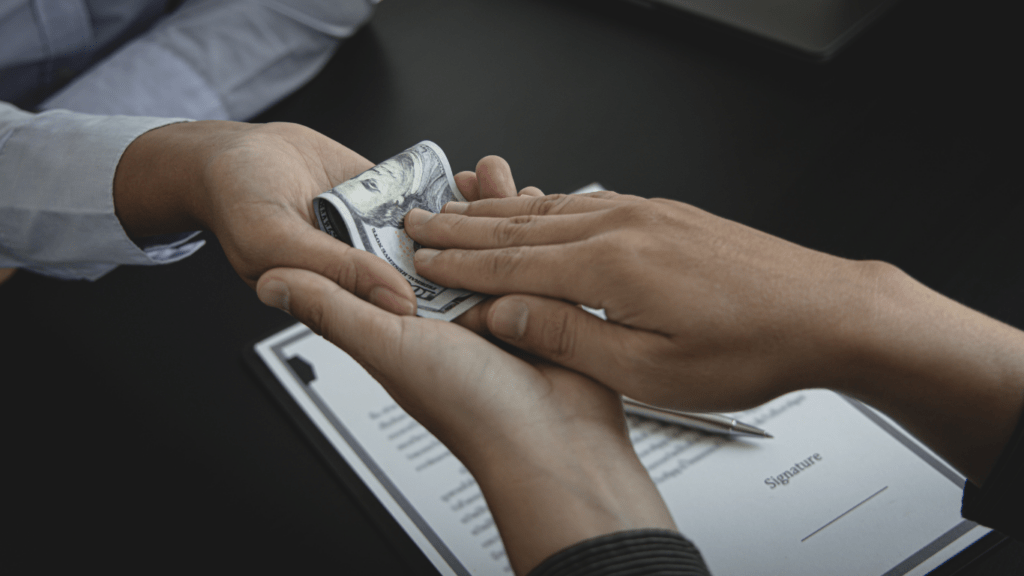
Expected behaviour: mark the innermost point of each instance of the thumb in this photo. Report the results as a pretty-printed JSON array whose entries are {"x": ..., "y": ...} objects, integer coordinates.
[
  {"x": 361, "y": 273},
  {"x": 366, "y": 332},
  {"x": 565, "y": 334}
]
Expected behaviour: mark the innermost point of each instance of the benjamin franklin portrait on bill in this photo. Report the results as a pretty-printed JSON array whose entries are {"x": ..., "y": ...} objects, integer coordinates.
[
  {"x": 368, "y": 212},
  {"x": 384, "y": 194}
]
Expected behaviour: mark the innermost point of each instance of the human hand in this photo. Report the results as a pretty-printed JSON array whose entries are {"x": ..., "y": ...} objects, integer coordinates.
[
  {"x": 252, "y": 185},
  {"x": 704, "y": 313},
  {"x": 547, "y": 446},
  {"x": 708, "y": 314}
]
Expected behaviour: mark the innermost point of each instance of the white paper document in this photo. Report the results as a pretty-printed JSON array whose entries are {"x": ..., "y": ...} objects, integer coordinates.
[{"x": 839, "y": 490}]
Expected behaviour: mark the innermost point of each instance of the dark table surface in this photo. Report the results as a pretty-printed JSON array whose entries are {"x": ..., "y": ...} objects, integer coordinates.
[{"x": 137, "y": 440}]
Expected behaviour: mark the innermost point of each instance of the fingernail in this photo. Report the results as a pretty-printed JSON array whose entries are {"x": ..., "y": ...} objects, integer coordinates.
[
  {"x": 418, "y": 216},
  {"x": 508, "y": 319},
  {"x": 424, "y": 255},
  {"x": 389, "y": 300},
  {"x": 456, "y": 207},
  {"x": 274, "y": 293}
]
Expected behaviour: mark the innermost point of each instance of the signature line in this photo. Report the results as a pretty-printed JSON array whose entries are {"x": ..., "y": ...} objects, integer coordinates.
[{"x": 844, "y": 513}]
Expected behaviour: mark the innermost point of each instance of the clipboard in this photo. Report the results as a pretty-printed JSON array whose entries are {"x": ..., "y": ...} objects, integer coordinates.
[
  {"x": 339, "y": 467},
  {"x": 282, "y": 363}
]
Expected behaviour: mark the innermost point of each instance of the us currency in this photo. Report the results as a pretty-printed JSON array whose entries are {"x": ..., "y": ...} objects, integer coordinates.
[{"x": 367, "y": 212}]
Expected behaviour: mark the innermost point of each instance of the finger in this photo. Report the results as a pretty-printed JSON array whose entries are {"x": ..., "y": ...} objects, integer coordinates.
[
  {"x": 558, "y": 271},
  {"x": 531, "y": 191},
  {"x": 455, "y": 231},
  {"x": 552, "y": 205},
  {"x": 609, "y": 195},
  {"x": 569, "y": 336},
  {"x": 475, "y": 319},
  {"x": 442, "y": 375},
  {"x": 361, "y": 273},
  {"x": 495, "y": 178},
  {"x": 367, "y": 333},
  {"x": 468, "y": 185}
]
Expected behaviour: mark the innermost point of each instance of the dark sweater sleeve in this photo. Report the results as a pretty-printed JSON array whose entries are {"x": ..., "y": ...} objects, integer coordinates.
[
  {"x": 999, "y": 504},
  {"x": 631, "y": 553}
]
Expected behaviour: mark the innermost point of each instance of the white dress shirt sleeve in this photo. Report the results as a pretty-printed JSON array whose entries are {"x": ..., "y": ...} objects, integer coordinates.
[
  {"x": 210, "y": 59},
  {"x": 56, "y": 194},
  {"x": 216, "y": 59}
]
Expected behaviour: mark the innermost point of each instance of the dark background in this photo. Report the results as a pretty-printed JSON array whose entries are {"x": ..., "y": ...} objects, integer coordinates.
[{"x": 137, "y": 440}]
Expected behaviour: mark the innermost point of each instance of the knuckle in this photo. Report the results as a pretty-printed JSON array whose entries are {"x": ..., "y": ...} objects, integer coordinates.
[
  {"x": 641, "y": 220},
  {"x": 344, "y": 272},
  {"x": 521, "y": 220},
  {"x": 512, "y": 230},
  {"x": 321, "y": 311},
  {"x": 879, "y": 269},
  {"x": 666, "y": 203},
  {"x": 505, "y": 262},
  {"x": 640, "y": 213},
  {"x": 558, "y": 335},
  {"x": 315, "y": 316},
  {"x": 878, "y": 273},
  {"x": 630, "y": 198},
  {"x": 443, "y": 228},
  {"x": 554, "y": 204}
]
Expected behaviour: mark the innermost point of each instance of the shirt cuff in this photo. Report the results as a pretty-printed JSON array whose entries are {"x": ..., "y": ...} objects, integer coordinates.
[
  {"x": 630, "y": 553},
  {"x": 57, "y": 216},
  {"x": 999, "y": 504}
]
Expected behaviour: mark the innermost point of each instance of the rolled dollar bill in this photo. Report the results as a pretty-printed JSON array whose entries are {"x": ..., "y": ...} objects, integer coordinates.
[{"x": 368, "y": 212}]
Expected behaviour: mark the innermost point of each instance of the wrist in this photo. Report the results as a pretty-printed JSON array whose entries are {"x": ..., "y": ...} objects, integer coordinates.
[
  {"x": 159, "y": 186},
  {"x": 878, "y": 295},
  {"x": 550, "y": 490},
  {"x": 950, "y": 375}
]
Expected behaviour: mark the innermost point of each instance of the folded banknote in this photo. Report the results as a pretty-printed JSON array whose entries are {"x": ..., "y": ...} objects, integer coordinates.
[{"x": 368, "y": 211}]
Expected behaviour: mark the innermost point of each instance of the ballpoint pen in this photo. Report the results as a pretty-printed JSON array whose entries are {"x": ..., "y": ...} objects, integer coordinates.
[{"x": 714, "y": 423}]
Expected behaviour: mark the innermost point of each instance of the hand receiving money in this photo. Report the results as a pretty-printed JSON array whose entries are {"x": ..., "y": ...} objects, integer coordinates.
[
  {"x": 691, "y": 299},
  {"x": 539, "y": 439},
  {"x": 708, "y": 314}
]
